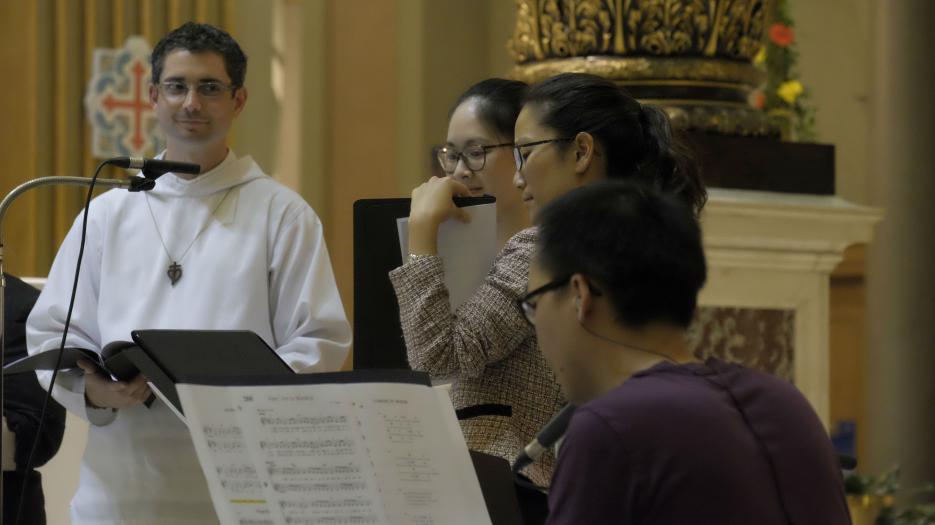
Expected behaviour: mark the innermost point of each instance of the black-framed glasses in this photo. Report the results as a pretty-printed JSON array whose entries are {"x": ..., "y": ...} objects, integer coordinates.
[
  {"x": 525, "y": 302},
  {"x": 518, "y": 157},
  {"x": 475, "y": 156},
  {"x": 529, "y": 308},
  {"x": 177, "y": 90}
]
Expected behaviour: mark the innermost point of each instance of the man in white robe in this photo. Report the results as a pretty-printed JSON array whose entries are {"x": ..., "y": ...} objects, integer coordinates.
[{"x": 250, "y": 255}]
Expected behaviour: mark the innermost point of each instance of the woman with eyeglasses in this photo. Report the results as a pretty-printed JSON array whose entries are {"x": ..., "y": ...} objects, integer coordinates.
[
  {"x": 576, "y": 128},
  {"x": 503, "y": 390},
  {"x": 477, "y": 156}
]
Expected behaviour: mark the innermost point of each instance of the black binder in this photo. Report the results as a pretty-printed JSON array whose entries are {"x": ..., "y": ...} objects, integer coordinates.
[
  {"x": 110, "y": 361},
  {"x": 167, "y": 357}
]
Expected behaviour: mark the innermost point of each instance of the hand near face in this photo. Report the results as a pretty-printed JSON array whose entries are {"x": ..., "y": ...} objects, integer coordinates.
[
  {"x": 103, "y": 392},
  {"x": 432, "y": 205}
]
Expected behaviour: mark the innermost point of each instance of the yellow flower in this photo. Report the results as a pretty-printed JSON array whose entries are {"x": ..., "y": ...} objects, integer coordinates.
[
  {"x": 790, "y": 91},
  {"x": 760, "y": 57}
]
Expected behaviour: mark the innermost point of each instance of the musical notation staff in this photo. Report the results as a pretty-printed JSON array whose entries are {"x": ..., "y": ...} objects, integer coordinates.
[
  {"x": 241, "y": 485},
  {"x": 334, "y": 520},
  {"x": 415, "y": 468},
  {"x": 312, "y": 470},
  {"x": 250, "y": 521},
  {"x": 341, "y": 486},
  {"x": 402, "y": 429},
  {"x": 226, "y": 446},
  {"x": 305, "y": 421},
  {"x": 222, "y": 431},
  {"x": 324, "y": 504},
  {"x": 314, "y": 447},
  {"x": 236, "y": 471}
]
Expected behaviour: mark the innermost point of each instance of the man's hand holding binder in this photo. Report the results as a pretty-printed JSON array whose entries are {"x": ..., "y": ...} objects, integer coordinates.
[
  {"x": 112, "y": 379},
  {"x": 103, "y": 392}
]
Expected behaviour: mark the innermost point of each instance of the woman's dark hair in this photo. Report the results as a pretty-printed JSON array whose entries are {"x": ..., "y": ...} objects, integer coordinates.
[
  {"x": 637, "y": 139},
  {"x": 200, "y": 38},
  {"x": 500, "y": 101},
  {"x": 640, "y": 246}
]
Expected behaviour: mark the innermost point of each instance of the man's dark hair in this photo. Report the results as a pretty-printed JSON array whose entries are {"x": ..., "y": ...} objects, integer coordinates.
[
  {"x": 201, "y": 38},
  {"x": 639, "y": 246},
  {"x": 500, "y": 103},
  {"x": 637, "y": 139}
]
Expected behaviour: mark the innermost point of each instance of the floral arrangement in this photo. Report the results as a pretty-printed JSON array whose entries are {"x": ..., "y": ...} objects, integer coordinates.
[
  {"x": 884, "y": 488},
  {"x": 783, "y": 98}
]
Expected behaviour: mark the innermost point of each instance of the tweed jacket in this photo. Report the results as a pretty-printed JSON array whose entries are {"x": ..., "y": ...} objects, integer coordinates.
[{"x": 503, "y": 389}]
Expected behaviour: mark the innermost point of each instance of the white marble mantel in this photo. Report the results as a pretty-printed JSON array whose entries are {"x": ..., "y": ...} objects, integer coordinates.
[{"x": 776, "y": 250}]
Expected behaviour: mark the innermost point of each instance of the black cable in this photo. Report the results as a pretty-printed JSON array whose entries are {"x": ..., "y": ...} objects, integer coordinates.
[
  {"x": 61, "y": 350},
  {"x": 756, "y": 437}
]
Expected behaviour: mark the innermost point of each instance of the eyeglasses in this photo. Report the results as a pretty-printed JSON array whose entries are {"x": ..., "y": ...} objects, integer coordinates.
[
  {"x": 518, "y": 154},
  {"x": 175, "y": 90},
  {"x": 475, "y": 157},
  {"x": 529, "y": 308},
  {"x": 525, "y": 302}
]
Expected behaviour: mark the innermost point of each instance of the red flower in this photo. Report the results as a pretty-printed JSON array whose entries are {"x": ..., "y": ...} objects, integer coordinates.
[
  {"x": 758, "y": 99},
  {"x": 781, "y": 35}
]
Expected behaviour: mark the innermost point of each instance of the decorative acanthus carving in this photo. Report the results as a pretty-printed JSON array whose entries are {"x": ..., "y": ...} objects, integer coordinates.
[
  {"x": 671, "y": 52},
  {"x": 570, "y": 28}
]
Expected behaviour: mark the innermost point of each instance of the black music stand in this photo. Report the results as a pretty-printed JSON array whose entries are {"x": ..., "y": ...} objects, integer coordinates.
[{"x": 378, "y": 336}]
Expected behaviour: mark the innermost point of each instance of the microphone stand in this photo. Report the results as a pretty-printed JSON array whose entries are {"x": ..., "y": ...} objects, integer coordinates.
[{"x": 131, "y": 184}]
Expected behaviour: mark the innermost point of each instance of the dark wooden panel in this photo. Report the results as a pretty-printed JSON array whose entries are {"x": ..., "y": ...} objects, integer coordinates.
[{"x": 751, "y": 163}]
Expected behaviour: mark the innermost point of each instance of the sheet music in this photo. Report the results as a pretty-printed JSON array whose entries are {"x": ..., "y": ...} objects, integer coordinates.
[
  {"x": 363, "y": 453},
  {"x": 467, "y": 249}
]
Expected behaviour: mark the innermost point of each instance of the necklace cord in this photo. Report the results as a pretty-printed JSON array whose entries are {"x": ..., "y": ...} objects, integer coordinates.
[{"x": 197, "y": 235}]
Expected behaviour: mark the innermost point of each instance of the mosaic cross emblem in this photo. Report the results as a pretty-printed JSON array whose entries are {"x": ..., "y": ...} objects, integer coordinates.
[{"x": 118, "y": 105}]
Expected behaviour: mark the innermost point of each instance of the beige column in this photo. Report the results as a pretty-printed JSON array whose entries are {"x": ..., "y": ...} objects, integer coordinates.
[
  {"x": 901, "y": 282},
  {"x": 254, "y": 131}
]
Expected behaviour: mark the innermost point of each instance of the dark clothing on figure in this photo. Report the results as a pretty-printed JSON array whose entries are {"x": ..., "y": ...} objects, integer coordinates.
[
  {"x": 711, "y": 443},
  {"x": 22, "y": 406},
  {"x": 33, "y": 499}
]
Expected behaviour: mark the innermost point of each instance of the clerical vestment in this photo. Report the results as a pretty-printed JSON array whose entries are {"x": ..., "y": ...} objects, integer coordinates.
[{"x": 249, "y": 255}]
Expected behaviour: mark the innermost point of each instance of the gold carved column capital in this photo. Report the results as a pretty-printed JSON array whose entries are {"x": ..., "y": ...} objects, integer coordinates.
[{"x": 693, "y": 57}]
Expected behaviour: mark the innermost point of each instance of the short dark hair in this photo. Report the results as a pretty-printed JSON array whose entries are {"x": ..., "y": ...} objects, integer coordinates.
[
  {"x": 637, "y": 138},
  {"x": 500, "y": 103},
  {"x": 201, "y": 38},
  {"x": 641, "y": 247}
]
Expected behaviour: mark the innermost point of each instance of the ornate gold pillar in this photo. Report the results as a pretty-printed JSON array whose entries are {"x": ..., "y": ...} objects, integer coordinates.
[{"x": 692, "y": 57}]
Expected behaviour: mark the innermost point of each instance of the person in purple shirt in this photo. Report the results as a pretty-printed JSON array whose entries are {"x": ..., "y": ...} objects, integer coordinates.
[{"x": 659, "y": 437}]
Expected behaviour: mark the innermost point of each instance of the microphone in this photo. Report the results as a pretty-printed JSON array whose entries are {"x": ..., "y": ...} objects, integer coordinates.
[
  {"x": 154, "y": 168},
  {"x": 550, "y": 433}
]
